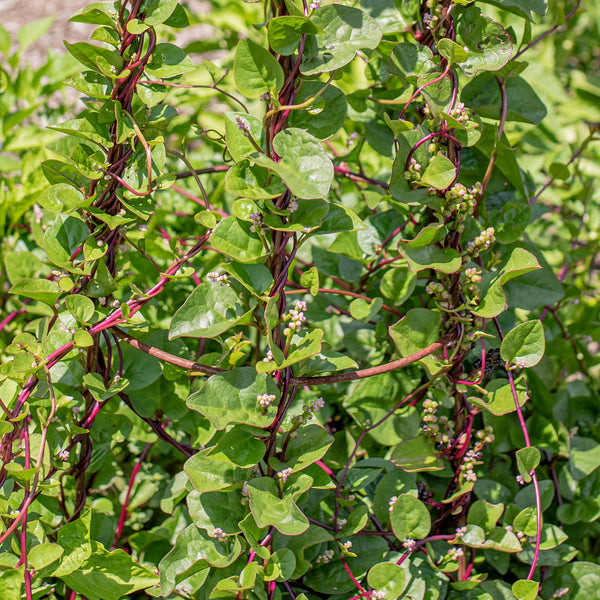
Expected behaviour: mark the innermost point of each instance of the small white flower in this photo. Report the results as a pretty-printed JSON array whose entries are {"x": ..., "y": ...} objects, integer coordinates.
[
  {"x": 325, "y": 557},
  {"x": 219, "y": 534},
  {"x": 283, "y": 475},
  {"x": 409, "y": 544}
]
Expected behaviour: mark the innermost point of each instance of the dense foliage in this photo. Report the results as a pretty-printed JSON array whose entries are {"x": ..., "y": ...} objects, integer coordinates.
[{"x": 304, "y": 308}]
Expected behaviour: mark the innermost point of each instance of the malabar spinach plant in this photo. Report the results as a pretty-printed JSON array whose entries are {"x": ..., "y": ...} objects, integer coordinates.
[{"x": 303, "y": 304}]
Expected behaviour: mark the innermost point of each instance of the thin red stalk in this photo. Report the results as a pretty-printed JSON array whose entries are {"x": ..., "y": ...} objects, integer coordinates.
[
  {"x": 13, "y": 315},
  {"x": 534, "y": 479},
  {"x": 421, "y": 88},
  {"x": 125, "y": 508},
  {"x": 354, "y": 580}
]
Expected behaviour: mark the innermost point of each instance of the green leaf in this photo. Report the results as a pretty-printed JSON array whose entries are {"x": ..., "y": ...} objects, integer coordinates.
[
  {"x": 417, "y": 454},
  {"x": 238, "y": 447},
  {"x": 364, "y": 311},
  {"x": 310, "y": 444},
  {"x": 194, "y": 551},
  {"x": 234, "y": 238},
  {"x": 310, "y": 280},
  {"x": 451, "y": 51},
  {"x": 210, "y": 475},
  {"x": 409, "y": 518},
  {"x": 268, "y": 509},
  {"x": 410, "y": 60},
  {"x": 485, "y": 515},
  {"x": 251, "y": 181},
  {"x": 210, "y": 510},
  {"x": 74, "y": 538},
  {"x": 527, "y": 461},
  {"x": 44, "y": 290},
  {"x": 80, "y": 306},
  {"x": 493, "y": 297},
  {"x": 303, "y": 165},
  {"x": 12, "y": 582},
  {"x": 168, "y": 60},
  {"x": 62, "y": 239},
  {"x": 255, "y": 70},
  {"x": 158, "y": 11},
  {"x": 238, "y": 144},
  {"x": 61, "y": 198},
  {"x": 210, "y": 310},
  {"x": 416, "y": 330},
  {"x": 525, "y": 589},
  {"x": 485, "y": 41},
  {"x": 439, "y": 174},
  {"x": 325, "y": 116},
  {"x": 346, "y": 30},
  {"x": 303, "y": 346},
  {"x": 398, "y": 284},
  {"x": 499, "y": 399},
  {"x": 388, "y": 578},
  {"x": 43, "y": 555},
  {"x": 254, "y": 277},
  {"x": 584, "y": 456},
  {"x": 285, "y": 33},
  {"x": 231, "y": 397},
  {"x": 524, "y": 345},
  {"x": 444, "y": 260},
  {"x": 33, "y": 31}
]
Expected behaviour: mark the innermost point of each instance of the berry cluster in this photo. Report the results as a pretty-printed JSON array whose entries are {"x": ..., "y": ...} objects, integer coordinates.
[
  {"x": 264, "y": 400},
  {"x": 296, "y": 318},
  {"x": 482, "y": 242}
]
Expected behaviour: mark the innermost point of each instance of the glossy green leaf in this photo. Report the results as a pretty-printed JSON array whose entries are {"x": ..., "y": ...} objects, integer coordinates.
[
  {"x": 527, "y": 461},
  {"x": 303, "y": 164},
  {"x": 43, "y": 290},
  {"x": 239, "y": 448},
  {"x": 192, "y": 552},
  {"x": 303, "y": 346},
  {"x": 584, "y": 456},
  {"x": 210, "y": 475},
  {"x": 325, "y": 116},
  {"x": 238, "y": 144},
  {"x": 209, "y": 310},
  {"x": 410, "y": 518},
  {"x": 499, "y": 398},
  {"x": 410, "y": 60},
  {"x": 346, "y": 30},
  {"x": 485, "y": 41},
  {"x": 255, "y": 70},
  {"x": 444, "y": 260},
  {"x": 398, "y": 284},
  {"x": 524, "y": 345},
  {"x": 387, "y": 578},
  {"x": 231, "y": 397},
  {"x": 525, "y": 589},
  {"x": 417, "y": 454},
  {"x": 309, "y": 445},
  {"x": 168, "y": 60},
  {"x": 285, "y": 33},
  {"x": 234, "y": 238},
  {"x": 416, "y": 330},
  {"x": 269, "y": 509},
  {"x": 439, "y": 174},
  {"x": 251, "y": 181}
]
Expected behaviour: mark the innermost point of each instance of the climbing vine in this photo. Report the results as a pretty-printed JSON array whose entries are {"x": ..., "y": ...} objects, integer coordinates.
[{"x": 303, "y": 308}]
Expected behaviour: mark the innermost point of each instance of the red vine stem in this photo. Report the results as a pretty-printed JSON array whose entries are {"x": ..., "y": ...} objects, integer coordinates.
[
  {"x": 536, "y": 486},
  {"x": 125, "y": 508}
]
